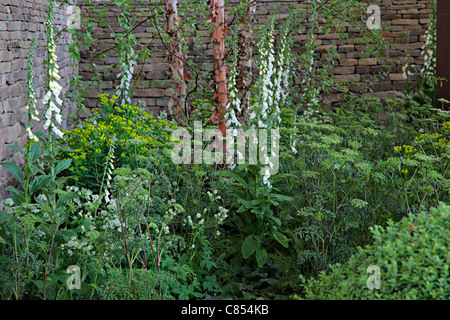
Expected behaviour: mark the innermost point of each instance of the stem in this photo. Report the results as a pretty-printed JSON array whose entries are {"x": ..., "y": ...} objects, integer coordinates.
[
  {"x": 16, "y": 259},
  {"x": 157, "y": 261},
  {"x": 127, "y": 253},
  {"x": 49, "y": 255}
]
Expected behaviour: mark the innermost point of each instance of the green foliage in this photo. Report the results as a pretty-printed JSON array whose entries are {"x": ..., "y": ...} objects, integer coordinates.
[
  {"x": 108, "y": 198},
  {"x": 413, "y": 257},
  {"x": 259, "y": 228},
  {"x": 420, "y": 102},
  {"x": 350, "y": 170},
  {"x": 137, "y": 132},
  {"x": 29, "y": 226},
  {"x": 201, "y": 111}
]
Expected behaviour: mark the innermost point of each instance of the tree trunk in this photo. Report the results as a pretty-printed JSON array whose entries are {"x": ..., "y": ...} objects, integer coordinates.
[
  {"x": 245, "y": 63},
  {"x": 220, "y": 97},
  {"x": 180, "y": 76}
]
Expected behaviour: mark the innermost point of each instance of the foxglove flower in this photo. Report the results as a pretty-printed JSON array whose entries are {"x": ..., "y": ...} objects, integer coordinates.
[
  {"x": 429, "y": 49},
  {"x": 124, "y": 87},
  {"x": 31, "y": 107},
  {"x": 51, "y": 98},
  {"x": 107, "y": 200}
]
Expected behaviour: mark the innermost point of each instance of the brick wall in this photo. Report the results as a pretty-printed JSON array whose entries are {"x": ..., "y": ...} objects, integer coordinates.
[
  {"x": 403, "y": 17},
  {"x": 20, "y": 20}
]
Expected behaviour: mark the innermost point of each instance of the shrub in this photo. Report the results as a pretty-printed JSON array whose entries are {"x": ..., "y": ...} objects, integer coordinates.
[
  {"x": 413, "y": 257},
  {"x": 136, "y": 131}
]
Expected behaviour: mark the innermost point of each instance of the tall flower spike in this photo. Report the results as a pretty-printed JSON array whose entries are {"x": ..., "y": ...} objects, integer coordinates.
[
  {"x": 261, "y": 111},
  {"x": 127, "y": 58},
  {"x": 31, "y": 107},
  {"x": 273, "y": 84},
  {"x": 124, "y": 87},
  {"x": 109, "y": 167},
  {"x": 429, "y": 49},
  {"x": 311, "y": 93},
  {"x": 234, "y": 103},
  {"x": 52, "y": 99},
  {"x": 282, "y": 73}
]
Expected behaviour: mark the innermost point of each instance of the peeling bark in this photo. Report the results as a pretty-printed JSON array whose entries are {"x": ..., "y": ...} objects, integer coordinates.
[
  {"x": 180, "y": 76},
  {"x": 217, "y": 19}
]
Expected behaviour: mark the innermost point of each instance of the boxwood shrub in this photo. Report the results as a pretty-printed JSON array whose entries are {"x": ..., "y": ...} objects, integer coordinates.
[{"x": 413, "y": 257}]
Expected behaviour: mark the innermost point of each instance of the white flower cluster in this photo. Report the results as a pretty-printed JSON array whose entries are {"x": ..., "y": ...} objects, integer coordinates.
[
  {"x": 429, "y": 49},
  {"x": 274, "y": 75},
  {"x": 272, "y": 85},
  {"x": 32, "y": 102},
  {"x": 294, "y": 150},
  {"x": 200, "y": 220},
  {"x": 189, "y": 221},
  {"x": 213, "y": 196},
  {"x": 170, "y": 214},
  {"x": 85, "y": 200},
  {"x": 8, "y": 202},
  {"x": 406, "y": 70},
  {"x": 235, "y": 103},
  {"x": 260, "y": 112},
  {"x": 72, "y": 245},
  {"x": 52, "y": 99},
  {"x": 124, "y": 87},
  {"x": 283, "y": 73},
  {"x": 86, "y": 204},
  {"x": 30, "y": 134},
  {"x": 113, "y": 224},
  {"x": 109, "y": 169},
  {"x": 42, "y": 197},
  {"x": 203, "y": 219},
  {"x": 266, "y": 177},
  {"x": 233, "y": 106},
  {"x": 221, "y": 215}
]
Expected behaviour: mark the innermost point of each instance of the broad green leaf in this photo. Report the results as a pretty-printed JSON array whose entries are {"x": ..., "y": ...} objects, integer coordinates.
[
  {"x": 62, "y": 181},
  {"x": 281, "y": 238},
  {"x": 34, "y": 170},
  {"x": 67, "y": 234},
  {"x": 85, "y": 224},
  {"x": 35, "y": 152},
  {"x": 62, "y": 165},
  {"x": 279, "y": 197},
  {"x": 16, "y": 148},
  {"x": 235, "y": 176},
  {"x": 179, "y": 207},
  {"x": 17, "y": 196},
  {"x": 248, "y": 204},
  {"x": 64, "y": 198},
  {"x": 249, "y": 246},
  {"x": 4, "y": 215},
  {"x": 39, "y": 183},
  {"x": 277, "y": 220},
  {"x": 261, "y": 256},
  {"x": 15, "y": 171},
  {"x": 38, "y": 283}
]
